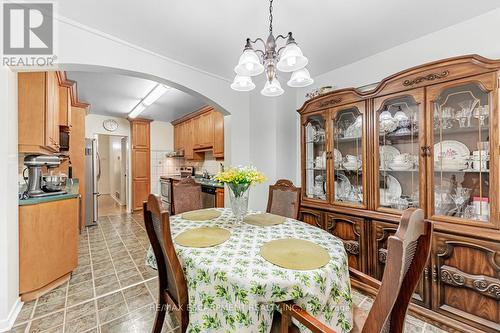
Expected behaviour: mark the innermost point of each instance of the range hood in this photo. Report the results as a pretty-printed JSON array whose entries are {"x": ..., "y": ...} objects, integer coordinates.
[{"x": 175, "y": 153}]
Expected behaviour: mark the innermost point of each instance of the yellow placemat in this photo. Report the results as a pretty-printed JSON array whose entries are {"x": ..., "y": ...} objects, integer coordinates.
[
  {"x": 203, "y": 237},
  {"x": 201, "y": 215},
  {"x": 264, "y": 219},
  {"x": 295, "y": 254}
]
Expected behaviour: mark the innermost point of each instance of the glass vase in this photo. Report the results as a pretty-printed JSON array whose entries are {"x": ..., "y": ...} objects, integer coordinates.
[{"x": 238, "y": 197}]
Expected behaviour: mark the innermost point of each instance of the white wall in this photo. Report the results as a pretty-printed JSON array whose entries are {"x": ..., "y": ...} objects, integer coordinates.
[
  {"x": 478, "y": 35},
  {"x": 9, "y": 244}
]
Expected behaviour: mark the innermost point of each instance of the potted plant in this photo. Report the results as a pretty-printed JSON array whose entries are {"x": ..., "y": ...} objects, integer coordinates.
[{"x": 238, "y": 180}]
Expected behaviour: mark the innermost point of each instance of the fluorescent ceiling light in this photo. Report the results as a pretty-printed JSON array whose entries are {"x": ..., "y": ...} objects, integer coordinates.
[
  {"x": 150, "y": 98},
  {"x": 156, "y": 93},
  {"x": 136, "y": 111}
]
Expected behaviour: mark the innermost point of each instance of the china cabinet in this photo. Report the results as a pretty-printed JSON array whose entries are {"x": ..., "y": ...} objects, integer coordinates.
[{"x": 425, "y": 137}]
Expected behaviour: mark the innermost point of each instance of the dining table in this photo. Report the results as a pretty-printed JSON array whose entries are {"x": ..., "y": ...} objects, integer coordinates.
[{"x": 232, "y": 288}]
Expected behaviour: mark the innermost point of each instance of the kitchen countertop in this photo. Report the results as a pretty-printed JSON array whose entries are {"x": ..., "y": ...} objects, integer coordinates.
[
  {"x": 199, "y": 180},
  {"x": 73, "y": 192}
]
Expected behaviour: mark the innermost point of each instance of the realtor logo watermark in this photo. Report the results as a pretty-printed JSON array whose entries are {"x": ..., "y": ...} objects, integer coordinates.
[{"x": 28, "y": 34}]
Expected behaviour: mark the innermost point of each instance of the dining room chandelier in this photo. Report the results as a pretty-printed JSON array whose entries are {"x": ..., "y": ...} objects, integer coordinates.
[{"x": 288, "y": 58}]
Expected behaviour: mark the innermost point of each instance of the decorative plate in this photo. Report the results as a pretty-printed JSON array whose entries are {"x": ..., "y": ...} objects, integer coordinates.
[
  {"x": 450, "y": 149},
  {"x": 110, "y": 125},
  {"x": 387, "y": 154},
  {"x": 342, "y": 186},
  {"x": 393, "y": 191}
]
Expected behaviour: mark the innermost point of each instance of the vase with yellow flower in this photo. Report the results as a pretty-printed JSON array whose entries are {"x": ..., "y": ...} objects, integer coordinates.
[{"x": 238, "y": 180}]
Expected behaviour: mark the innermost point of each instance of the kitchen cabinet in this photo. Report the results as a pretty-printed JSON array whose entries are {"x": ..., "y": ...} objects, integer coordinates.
[
  {"x": 77, "y": 152},
  {"x": 38, "y": 112},
  {"x": 141, "y": 172},
  {"x": 199, "y": 132},
  {"x": 64, "y": 107},
  {"x": 48, "y": 245},
  {"x": 218, "y": 120},
  {"x": 219, "y": 198},
  {"x": 425, "y": 137}
]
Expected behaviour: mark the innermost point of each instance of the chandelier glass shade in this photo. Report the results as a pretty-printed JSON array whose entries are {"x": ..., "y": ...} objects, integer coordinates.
[
  {"x": 270, "y": 59},
  {"x": 242, "y": 83}
]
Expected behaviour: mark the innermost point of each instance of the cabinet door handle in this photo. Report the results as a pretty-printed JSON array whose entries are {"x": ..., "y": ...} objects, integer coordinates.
[{"x": 426, "y": 151}]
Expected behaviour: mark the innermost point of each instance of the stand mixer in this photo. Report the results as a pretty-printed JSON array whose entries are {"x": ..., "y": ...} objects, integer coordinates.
[{"x": 40, "y": 185}]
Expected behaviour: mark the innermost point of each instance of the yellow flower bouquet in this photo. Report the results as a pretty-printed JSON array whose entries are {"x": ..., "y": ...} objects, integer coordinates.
[{"x": 238, "y": 181}]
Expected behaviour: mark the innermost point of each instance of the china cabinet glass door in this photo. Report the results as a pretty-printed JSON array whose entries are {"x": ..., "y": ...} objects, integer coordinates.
[
  {"x": 315, "y": 157},
  {"x": 463, "y": 154},
  {"x": 348, "y": 155},
  {"x": 399, "y": 133}
]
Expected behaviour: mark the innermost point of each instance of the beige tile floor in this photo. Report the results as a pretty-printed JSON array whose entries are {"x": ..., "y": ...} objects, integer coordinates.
[{"x": 112, "y": 290}]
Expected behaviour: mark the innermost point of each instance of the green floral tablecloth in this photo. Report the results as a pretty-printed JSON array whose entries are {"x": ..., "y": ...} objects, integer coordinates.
[{"x": 233, "y": 289}]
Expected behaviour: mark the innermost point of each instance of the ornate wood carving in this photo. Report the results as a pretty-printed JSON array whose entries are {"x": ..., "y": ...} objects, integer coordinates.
[
  {"x": 330, "y": 102},
  {"x": 429, "y": 77},
  {"x": 351, "y": 246},
  {"x": 485, "y": 285},
  {"x": 382, "y": 256}
]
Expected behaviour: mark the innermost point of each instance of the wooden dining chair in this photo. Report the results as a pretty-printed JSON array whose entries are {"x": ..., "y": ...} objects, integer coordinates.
[
  {"x": 407, "y": 253},
  {"x": 284, "y": 199},
  {"x": 186, "y": 196},
  {"x": 173, "y": 294}
]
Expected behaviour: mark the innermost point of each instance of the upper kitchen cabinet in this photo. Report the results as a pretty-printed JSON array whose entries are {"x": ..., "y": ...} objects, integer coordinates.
[
  {"x": 199, "y": 132},
  {"x": 218, "y": 120},
  {"x": 64, "y": 107},
  {"x": 463, "y": 151},
  {"x": 140, "y": 133},
  {"x": 38, "y": 116},
  {"x": 204, "y": 129}
]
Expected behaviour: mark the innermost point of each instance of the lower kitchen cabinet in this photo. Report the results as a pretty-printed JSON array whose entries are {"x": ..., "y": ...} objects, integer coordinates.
[
  {"x": 380, "y": 232},
  {"x": 466, "y": 280},
  {"x": 48, "y": 245},
  {"x": 352, "y": 232},
  {"x": 311, "y": 216},
  {"x": 219, "y": 197}
]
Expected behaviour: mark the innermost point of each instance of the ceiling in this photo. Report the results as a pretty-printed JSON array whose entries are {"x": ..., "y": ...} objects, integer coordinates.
[
  {"x": 116, "y": 95},
  {"x": 210, "y": 35}
]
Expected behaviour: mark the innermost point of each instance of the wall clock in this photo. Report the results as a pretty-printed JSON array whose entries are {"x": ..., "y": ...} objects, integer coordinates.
[{"x": 110, "y": 125}]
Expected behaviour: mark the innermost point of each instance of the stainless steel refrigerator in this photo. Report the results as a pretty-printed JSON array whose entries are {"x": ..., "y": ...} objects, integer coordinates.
[{"x": 92, "y": 175}]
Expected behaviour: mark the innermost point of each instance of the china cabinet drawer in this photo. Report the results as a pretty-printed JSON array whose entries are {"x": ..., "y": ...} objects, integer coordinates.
[
  {"x": 352, "y": 232},
  {"x": 311, "y": 216},
  {"x": 466, "y": 280}
]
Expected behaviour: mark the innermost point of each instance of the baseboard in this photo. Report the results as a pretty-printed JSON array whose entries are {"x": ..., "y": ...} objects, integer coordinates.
[
  {"x": 117, "y": 200},
  {"x": 7, "y": 323}
]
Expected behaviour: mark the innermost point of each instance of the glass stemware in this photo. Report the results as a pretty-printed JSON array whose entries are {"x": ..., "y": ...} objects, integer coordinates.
[
  {"x": 460, "y": 197},
  {"x": 481, "y": 113},
  {"x": 467, "y": 107}
]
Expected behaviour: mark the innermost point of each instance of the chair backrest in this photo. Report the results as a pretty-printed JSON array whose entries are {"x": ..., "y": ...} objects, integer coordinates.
[
  {"x": 284, "y": 199},
  {"x": 407, "y": 253},
  {"x": 186, "y": 196},
  {"x": 172, "y": 284}
]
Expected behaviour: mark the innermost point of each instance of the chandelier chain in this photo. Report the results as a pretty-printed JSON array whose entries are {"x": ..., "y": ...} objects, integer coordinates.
[{"x": 271, "y": 16}]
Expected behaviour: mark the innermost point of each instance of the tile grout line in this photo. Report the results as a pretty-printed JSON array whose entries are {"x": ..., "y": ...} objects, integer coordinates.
[
  {"x": 93, "y": 279},
  {"x": 65, "y": 306},
  {"x": 135, "y": 265}
]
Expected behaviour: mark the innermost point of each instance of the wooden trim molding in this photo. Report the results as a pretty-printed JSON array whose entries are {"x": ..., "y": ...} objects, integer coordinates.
[
  {"x": 485, "y": 285},
  {"x": 65, "y": 82},
  {"x": 200, "y": 111}
]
